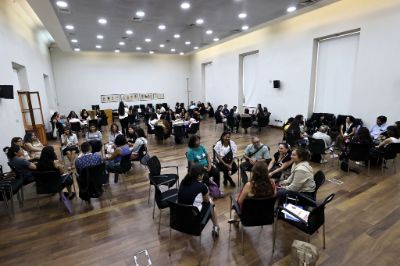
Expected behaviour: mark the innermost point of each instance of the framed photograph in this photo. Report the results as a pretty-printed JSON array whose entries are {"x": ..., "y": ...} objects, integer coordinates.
[
  {"x": 157, "y": 96},
  {"x": 104, "y": 99},
  {"x": 146, "y": 96}
]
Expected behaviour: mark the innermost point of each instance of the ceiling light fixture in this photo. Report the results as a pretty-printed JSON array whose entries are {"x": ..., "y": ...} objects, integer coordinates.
[
  {"x": 140, "y": 14},
  {"x": 62, "y": 4},
  {"x": 173, "y": 50},
  {"x": 245, "y": 27},
  {"x": 291, "y": 9},
  {"x": 98, "y": 46},
  {"x": 187, "y": 43},
  {"x": 147, "y": 40},
  {"x": 196, "y": 47},
  {"x": 209, "y": 32},
  {"x": 162, "y": 45},
  {"x": 117, "y": 50},
  {"x": 121, "y": 43},
  {"x": 162, "y": 27},
  {"x": 185, "y": 5},
  {"x": 77, "y": 49},
  {"x": 100, "y": 37},
  {"x": 69, "y": 27},
  {"x": 216, "y": 39},
  {"x": 138, "y": 48},
  {"x": 199, "y": 21},
  {"x": 129, "y": 32},
  {"x": 242, "y": 15},
  {"x": 74, "y": 40},
  {"x": 181, "y": 53},
  {"x": 102, "y": 21},
  {"x": 151, "y": 52},
  {"x": 177, "y": 36}
]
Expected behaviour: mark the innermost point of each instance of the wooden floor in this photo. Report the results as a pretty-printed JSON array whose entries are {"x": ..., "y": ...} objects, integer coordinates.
[{"x": 362, "y": 222}]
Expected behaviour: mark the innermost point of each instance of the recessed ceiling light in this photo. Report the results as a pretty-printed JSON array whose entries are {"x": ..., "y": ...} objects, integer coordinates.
[
  {"x": 196, "y": 47},
  {"x": 242, "y": 15},
  {"x": 147, "y": 40},
  {"x": 98, "y": 46},
  {"x": 216, "y": 39},
  {"x": 187, "y": 43},
  {"x": 100, "y": 37},
  {"x": 77, "y": 49},
  {"x": 177, "y": 36},
  {"x": 69, "y": 27},
  {"x": 62, "y": 4},
  {"x": 162, "y": 45},
  {"x": 182, "y": 53},
  {"x": 140, "y": 14},
  {"x": 162, "y": 27},
  {"x": 121, "y": 43},
  {"x": 173, "y": 50},
  {"x": 117, "y": 50},
  {"x": 209, "y": 32},
  {"x": 74, "y": 40},
  {"x": 245, "y": 27},
  {"x": 199, "y": 21},
  {"x": 151, "y": 52},
  {"x": 291, "y": 9},
  {"x": 129, "y": 32},
  {"x": 185, "y": 5},
  {"x": 138, "y": 48},
  {"x": 102, "y": 21}
]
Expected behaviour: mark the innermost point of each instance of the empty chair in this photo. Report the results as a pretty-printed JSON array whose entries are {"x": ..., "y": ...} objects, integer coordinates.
[
  {"x": 245, "y": 123},
  {"x": 8, "y": 188},
  {"x": 218, "y": 120},
  {"x": 359, "y": 152},
  {"x": 76, "y": 128},
  {"x": 390, "y": 153},
  {"x": 179, "y": 133},
  {"x": 159, "y": 133},
  {"x": 317, "y": 148},
  {"x": 263, "y": 122},
  {"x": 92, "y": 182},
  {"x": 315, "y": 219},
  {"x": 255, "y": 212},
  {"x": 155, "y": 176},
  {"x": 193, "y": 129}
]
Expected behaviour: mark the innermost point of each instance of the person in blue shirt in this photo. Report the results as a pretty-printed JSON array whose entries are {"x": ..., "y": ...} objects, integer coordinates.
[
  {"x": 379, "y": 128},
  {"x": 197, "y": 154},
  {"x": 87, "y": 159}
]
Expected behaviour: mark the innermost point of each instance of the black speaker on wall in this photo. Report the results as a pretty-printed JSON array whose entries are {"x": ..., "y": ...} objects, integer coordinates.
[
  {"x": 7, "y": 91},
  {"x": 277, "y": 84}
]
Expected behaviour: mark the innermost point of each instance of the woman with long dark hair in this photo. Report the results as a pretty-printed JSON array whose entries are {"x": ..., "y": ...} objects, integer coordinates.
[
  {"x": 225, "y": 150},
  {"x": 32, "y": 145},
  {"x": 123, "y": 117},
  {"x": 280, "y": 162},
  {"x": 193, "y": 191}
]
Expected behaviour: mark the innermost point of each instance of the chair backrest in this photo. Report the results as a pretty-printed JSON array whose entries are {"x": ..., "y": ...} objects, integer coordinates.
[
  {"x": 391, "y": 151},
  {"x": 291, "y": 139},
  {"x": 142, "y": 151},
  {"x": 246, "y": 122},
  {"x": 359, "y": 151},
  {"x": 319, "y": 179},
  {"x": 47, "y": 182},
  {"x": 154, "y": 166},
  {"x": 185, "y": 219},
  {"x": 75, "y": 126},
  {"x": 258, "y": 211},
  {"x": 316, "y": 146},
  {"x": 317, "y": 215},
  {"x": 159, "y": 132},
  {"x": 125, "y": 164},
  {"x": 218, "y": 118},
  {"x": 91, "y": 180},
  {"x": 179, "y": 131},
  {"x": 194, "y": 128},
  {"x": 263, "y": 121}
]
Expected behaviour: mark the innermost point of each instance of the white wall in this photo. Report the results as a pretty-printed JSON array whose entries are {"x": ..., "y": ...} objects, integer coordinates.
[
  {"x": 286, "y": 51},
  {"x": 22, "y": 40},
  {"x": 82, "y": 77}
]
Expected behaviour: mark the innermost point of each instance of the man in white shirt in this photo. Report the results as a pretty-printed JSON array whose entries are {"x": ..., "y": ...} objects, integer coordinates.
[
  {"x": 379, "y": 128},
  {"x": 321, "y": 134}
]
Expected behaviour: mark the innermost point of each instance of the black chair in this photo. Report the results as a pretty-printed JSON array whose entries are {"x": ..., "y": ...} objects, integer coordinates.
[
  {"x": 263, "y": 122},
  {"x": 141, "y": 154},
  {"x": 92, "y": 182},
  {"x": 155, "y": 176},
  {"x": 390, "y": 153},
  {"x": 255, "y": 212},
  {"x": 359, "y": 152},
  {"x": 316, "y": 148},
  {"x": 291, "y": 139},
  {"x": 246, "y": 123},
  {"x": 124, "y": 167},
  {"x": 18, "y": 175},
  {"x": 187, "y": 219},
  {"x": 159, "y": 133},
  {"x": 179, "y": 134},
  {"x": 163, "y": 198},
  {"x": 193, "y": 129},
  {"x": 8, "y": 188},
  {"x": 315, "y": 220},
  {"x": 47, "y": 183},
  {"x": 150, "y": 131},
  {"x": 76, "y": 128},
  {"x": 218, "y": 120}
]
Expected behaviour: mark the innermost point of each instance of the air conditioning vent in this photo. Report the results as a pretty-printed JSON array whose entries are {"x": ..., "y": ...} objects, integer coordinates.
[{"x": 64, "y": 10}]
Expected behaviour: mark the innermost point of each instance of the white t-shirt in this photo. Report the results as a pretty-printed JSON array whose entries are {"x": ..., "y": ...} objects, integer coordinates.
[{"x": 222, "y": 150}]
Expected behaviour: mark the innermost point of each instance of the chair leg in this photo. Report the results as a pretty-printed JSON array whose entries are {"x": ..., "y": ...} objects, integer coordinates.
[
  {"x": 154, "y": 206},
  {"x": 369, "y": 164},
  {"x": 159, "y": 222},
  {"x": 241, "y": 228},
  {"x": 309, "y": 239},
  {"x": 148, "y": 200},
  {"x": 274, "y": 235},
  {"x": 323, "y": 234},
  {"x": 169, "y": 245},
  {"x": 4, "y": 194}
]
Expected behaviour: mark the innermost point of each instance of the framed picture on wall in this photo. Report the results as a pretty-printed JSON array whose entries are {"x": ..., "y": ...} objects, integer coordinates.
[
  {"x": 146, "y": 96},
  {"x": 103, "y": 99},
  {"x": 158, "y": 96},
  {"x": 110, "y": 98}
]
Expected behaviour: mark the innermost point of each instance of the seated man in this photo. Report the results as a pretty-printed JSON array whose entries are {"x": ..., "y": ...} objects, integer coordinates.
[
  {"x": 87, "y": 158},
  {"x": 321, "y": 134},
  {"x": 379, "y": 128},
  {"x": 254, "y": 152}
]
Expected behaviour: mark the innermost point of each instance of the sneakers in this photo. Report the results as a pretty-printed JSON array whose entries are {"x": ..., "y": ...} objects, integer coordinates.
[{"x": 215, "y": 231}]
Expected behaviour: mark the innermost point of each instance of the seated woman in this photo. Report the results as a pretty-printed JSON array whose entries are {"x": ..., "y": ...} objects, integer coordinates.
[
  {"x": 139, "y": 142},
  {"x": 33, "y": 145},
  {"x": 295, "y": 134},
  {"x": 347, "y": 131},
  {"x": 69, "y": 146},
  {"x": 84, "y": 114},
  {"x": 225, "y": 150},
  {"x": 23, "y": 167},
  {"x": 280, "y": 162},
  {"x": 131, "y": 135},
  {"x": 259, "y": 186},
  {"x": 393, "y": 135},
  {"x": 114, "y": 132},
  {"x": 193, "y": 191},
  {"x": 362, "y": 136},
  {"x": 48, "y": 162},
  {"x": 95, "y": 138},
  {"x": 301, "y": 179},
  {"x": 17, "y": 141},
  {"x": 113, "y": 161},
  {"x": 162, "y": 122},
  {"x": 197, "y": 154},
  {"x": 73, "y": 117}
]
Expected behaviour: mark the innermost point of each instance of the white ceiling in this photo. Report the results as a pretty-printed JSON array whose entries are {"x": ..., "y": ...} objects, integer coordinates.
[{"x": 220, "y": 16}]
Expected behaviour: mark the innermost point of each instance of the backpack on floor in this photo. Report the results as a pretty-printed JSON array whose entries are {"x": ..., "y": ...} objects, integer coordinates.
[
  {"x": 214, "y": 190},
  {"x": 303, "y": 253}
]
